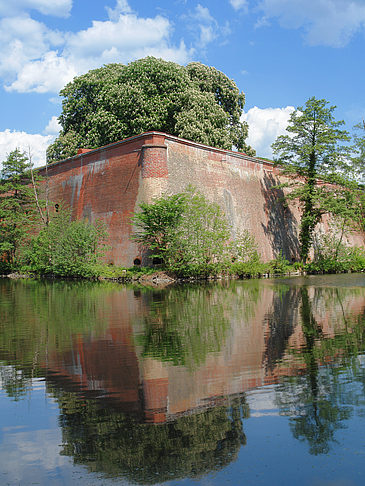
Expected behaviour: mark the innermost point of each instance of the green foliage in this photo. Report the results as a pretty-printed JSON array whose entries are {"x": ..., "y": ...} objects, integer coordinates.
[
  {"x": 116, "y": 101},
  {"x": 359, "y": 156},
  {"x": 185, "y": 231},
  {"x": 250, "y": 268},
  {"x": 314, "y": 150},
  {"x": 244, "y": 247},
  {"x": 66, "y": 248},
  {"x": 246, "y": 261},
  {"x": 332, "y": 255},
  {"x": 156, "y": 224},
  {"x": 18, "y": 214},
  {"x": 122, "y": 274},
  {"x": 279, "y": 265},
  {"x": 185, "y": 325}
]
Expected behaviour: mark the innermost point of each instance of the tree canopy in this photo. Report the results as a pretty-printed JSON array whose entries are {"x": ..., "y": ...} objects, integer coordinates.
[{"x": 195, "y": 102}]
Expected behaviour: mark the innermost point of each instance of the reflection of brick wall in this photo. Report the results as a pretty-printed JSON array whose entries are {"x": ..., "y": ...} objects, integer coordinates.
[
  {"x": 111, "y": 364},
  {"x": 110, "y": 182}
]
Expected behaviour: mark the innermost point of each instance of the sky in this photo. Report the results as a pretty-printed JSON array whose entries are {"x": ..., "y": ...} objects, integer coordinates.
[{"x": 279, "y": 53}]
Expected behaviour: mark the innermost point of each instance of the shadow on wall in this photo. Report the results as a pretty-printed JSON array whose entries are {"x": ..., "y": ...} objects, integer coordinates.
[{"x": 281, "y": 225}]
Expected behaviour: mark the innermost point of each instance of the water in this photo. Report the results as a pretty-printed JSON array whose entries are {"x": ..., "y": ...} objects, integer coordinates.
[{"x": 252, "y": 383}]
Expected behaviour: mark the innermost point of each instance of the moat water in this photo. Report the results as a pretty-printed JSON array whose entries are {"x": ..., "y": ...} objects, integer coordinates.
[{"x": 244, "y": 382}]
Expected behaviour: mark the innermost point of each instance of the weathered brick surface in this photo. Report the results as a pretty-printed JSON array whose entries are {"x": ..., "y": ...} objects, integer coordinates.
[
  {"x": 154, "y": 161},
  {"x": 109, "y": 183}
]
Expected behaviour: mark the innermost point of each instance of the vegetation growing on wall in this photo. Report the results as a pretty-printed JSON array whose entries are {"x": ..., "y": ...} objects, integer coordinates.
[{"x": 108, "y": 104}]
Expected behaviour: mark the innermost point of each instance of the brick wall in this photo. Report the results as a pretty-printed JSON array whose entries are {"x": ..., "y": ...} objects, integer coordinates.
[{"x": 110, "y": 182}]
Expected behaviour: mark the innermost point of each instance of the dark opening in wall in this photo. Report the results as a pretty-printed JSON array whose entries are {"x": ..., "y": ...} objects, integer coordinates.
[{"x": 137, "y": 261}]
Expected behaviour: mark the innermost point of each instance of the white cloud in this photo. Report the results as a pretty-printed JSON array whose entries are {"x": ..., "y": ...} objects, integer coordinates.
[
  {"x": 58, "y": 8},
  {"x": 203, "y": 14},
  {"x": 325, "y": 22},
  {"x": 265, "y": 125},
  {"x": 36, "y": 59},
  {"x": 23, "y": 39},
  {"x": 45, "y": 75},
  {"x": 53, "y": 127},
  {"x": 204, "y": 26},
  {"x": 122, "y": 7},
  {"x": 239, "y": 4},
  {"x": 36, "y": 143},
  {"x": 129, "y": 32}
]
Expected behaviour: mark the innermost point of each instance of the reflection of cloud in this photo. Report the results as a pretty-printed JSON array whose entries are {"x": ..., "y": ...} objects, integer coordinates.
[
  {"x": 262, "y": 402},
  {"x": 30, "y": 455}
]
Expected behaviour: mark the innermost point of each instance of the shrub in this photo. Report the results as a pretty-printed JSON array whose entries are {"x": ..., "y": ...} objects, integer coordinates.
[
  {"x": 279, "y": 265},
  {"x": 332, "y": 255},
  {"x": 66, "y": 248},
  {"x": 185, "y": 232}
]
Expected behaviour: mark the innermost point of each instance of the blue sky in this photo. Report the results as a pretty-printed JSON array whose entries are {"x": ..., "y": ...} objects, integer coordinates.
[{"x": 279, "y": 52}]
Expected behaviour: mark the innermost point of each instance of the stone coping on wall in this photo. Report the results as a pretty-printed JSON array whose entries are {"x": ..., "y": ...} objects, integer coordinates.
[{"x": 241, "y": 155}]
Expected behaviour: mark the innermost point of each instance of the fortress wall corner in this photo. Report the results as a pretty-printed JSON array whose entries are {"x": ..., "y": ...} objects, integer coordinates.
[{"x": 109, "y": 183}]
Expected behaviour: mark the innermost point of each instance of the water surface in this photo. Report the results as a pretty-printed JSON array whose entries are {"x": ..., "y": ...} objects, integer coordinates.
[{"x": 244, "y": 382}]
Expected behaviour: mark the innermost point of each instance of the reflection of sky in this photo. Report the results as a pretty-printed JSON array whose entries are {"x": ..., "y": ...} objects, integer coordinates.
[
  {"x": 30, "y": 442},
  {"x": 262, "y": 401}
]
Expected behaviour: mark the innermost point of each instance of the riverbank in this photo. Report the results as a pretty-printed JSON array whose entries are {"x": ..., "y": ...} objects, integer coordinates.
[
  {"x": 150, "y": 277},
  {"x": 351, "y": 262}
]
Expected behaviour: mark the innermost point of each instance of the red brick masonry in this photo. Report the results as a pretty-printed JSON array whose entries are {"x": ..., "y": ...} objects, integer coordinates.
[{"x": 110, "y": 182}]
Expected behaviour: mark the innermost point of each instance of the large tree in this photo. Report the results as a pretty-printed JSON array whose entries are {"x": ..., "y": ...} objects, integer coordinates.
[
  {"x": 116, "y": 101},
  {"x": 314, "y": 156}
]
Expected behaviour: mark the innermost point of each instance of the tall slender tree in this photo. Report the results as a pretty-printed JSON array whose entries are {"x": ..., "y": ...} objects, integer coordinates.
[
  {"x": 17, "y": 205},
  {"x": 315, "y": 158}
]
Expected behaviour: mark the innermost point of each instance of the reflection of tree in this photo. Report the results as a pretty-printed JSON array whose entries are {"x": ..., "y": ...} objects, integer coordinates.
[
  {"x": 39, "y": 317},
  {"x": 184, "y": 324},
  {"x": 116, "y": 444},
  {"x": 281, "y": 322},
  {"x": 314, "y": 399},
  {"x": 14, "y": 382}
]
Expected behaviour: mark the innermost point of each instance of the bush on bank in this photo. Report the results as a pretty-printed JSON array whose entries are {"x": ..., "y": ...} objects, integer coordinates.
[
  {"x": 332, "y": 255},
  {"x": 189, "y": 236},
  {"x": 65, "y": 248}
]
